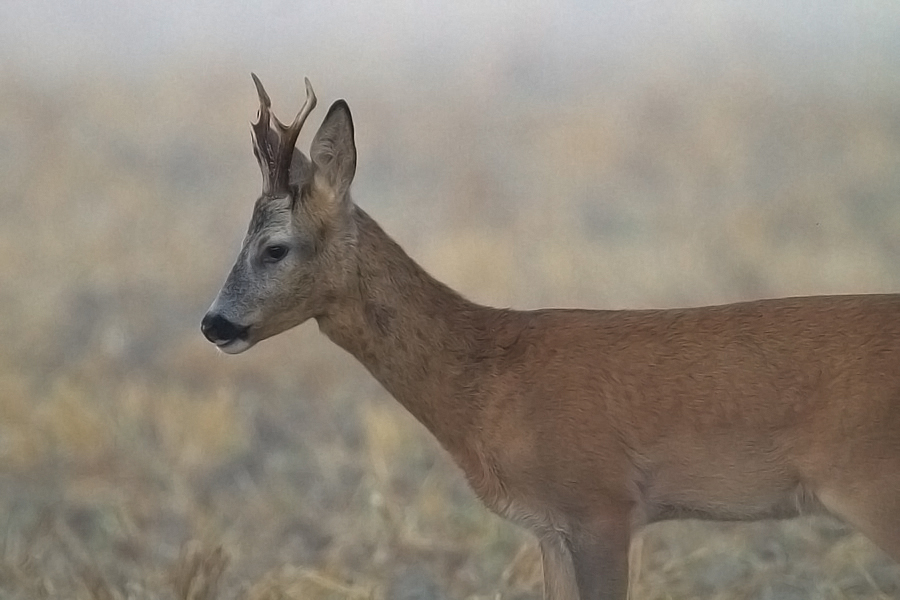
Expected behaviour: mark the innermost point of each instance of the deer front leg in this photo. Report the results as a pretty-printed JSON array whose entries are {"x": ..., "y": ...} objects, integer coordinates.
[
  {"x": 600, "y": 560},
  {"x": 588, "y": 563}
]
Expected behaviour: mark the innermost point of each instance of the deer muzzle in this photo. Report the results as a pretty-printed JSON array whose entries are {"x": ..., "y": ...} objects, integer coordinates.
[{"x": 227, "y": 336}]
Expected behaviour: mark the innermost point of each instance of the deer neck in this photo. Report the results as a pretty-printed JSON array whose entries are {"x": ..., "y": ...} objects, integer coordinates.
[{"x": 415, "y": 335}]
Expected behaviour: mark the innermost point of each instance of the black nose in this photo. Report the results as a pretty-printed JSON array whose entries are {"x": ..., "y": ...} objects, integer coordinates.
[{"x": 220, "y": 330}]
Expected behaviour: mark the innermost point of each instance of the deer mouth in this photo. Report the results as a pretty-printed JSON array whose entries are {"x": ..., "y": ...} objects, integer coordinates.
[{"x": 235, "y": 346}]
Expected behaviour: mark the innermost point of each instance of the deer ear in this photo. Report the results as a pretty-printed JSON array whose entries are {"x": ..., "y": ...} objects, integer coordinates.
[{"x": 333, "y": 150}]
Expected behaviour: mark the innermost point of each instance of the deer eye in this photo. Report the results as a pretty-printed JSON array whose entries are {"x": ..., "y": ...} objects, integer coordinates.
[{"x": 275, "y": 252}]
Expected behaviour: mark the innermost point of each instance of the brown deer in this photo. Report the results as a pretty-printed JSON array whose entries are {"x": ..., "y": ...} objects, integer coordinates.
[{"x": 581, "y": 425}]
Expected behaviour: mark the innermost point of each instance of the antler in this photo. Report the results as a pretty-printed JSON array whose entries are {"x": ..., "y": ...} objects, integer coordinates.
[{"x": 274, "y": 147}]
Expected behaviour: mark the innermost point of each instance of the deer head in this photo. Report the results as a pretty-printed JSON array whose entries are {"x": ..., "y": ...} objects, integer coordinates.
[{"x": 298, "y": 251}]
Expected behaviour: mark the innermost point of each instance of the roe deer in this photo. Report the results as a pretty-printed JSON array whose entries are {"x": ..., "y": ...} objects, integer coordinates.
[{"x": 581, "y": 425}]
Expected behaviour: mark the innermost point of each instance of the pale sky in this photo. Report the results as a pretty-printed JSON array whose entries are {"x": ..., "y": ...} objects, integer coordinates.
[{"x": 63, "y": 38}]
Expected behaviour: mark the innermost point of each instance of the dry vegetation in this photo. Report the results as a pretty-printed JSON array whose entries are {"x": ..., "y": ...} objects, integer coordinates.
[{"x": 136, "y": 462}]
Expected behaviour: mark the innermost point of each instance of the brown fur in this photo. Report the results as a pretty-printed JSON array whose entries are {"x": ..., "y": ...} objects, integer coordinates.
[{"x": 585, "y": 425}]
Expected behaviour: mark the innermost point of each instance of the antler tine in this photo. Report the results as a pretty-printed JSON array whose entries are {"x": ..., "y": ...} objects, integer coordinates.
[
  {"x": 264, "y": 105},
  {"x": 262, "y": 142},
  {"x": 290, "y": 133},
  {"x": 287, "y": 137}
]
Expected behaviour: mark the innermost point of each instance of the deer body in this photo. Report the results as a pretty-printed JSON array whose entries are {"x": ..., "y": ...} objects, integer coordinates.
[{"x": 583, "y": 425}]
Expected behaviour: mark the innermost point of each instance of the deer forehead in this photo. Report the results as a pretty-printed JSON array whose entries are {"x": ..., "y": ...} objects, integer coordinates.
[{"x": 270, "y": 212}]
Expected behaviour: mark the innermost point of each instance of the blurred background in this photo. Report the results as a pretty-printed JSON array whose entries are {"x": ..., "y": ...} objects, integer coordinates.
[{"x": 531, "y": 153}]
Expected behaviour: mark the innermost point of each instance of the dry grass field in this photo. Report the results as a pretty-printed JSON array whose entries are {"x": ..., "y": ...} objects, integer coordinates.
[{"x": 136, "y": 462}]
